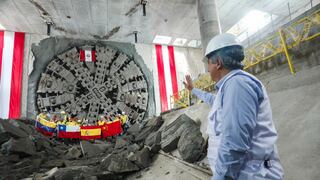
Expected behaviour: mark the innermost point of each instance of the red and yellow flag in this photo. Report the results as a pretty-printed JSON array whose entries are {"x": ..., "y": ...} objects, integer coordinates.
[{"x": 90, "y": 132}]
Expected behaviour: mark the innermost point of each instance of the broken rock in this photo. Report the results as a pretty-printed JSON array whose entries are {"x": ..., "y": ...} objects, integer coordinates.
[
  {"x": 143, "y": 134},
  {"x": 94, "y": 149},
  {"x": 121, "y": 142},
  {"x": 73, "y": 153},
  {"x": 171, "y": 134},
  {"x": 134, "y": 129},
  {"x": 153, "y": 141},
  {"x": 21, "y": 125},
  {"x": 143, "y": 157},
  {"x": 54, "y": 163},
  {"x": 118, "y": 164},
  {"x": 73, "y": 172},
  {"x": 133, "y": 148},
  {"x": 155, "y": 123},
  {"x": 11, "y": 130},
  {"x": 21, "y": 146},
  {"x": 4, "y": 137},
  {"x": 191, "y": 145}
]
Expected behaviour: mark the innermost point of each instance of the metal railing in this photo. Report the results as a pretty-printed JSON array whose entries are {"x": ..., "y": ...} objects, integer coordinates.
[
  {"x": 287, "y": 37},
  {"x": 184, "y": 97}
]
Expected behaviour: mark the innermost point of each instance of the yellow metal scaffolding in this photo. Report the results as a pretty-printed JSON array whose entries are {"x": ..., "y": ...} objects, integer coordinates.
[{"x": 288, "y": 37}]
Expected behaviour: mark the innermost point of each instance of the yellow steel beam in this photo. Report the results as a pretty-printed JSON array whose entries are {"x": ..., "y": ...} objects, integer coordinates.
[{"x": 284, "y": 44}]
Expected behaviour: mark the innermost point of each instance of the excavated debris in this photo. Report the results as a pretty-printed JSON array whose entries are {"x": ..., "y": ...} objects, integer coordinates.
[{"x": 26, "y": 153}]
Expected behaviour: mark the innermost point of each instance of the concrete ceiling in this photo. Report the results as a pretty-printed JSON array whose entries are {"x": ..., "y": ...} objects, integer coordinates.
[{"x": 116, "y": 19}]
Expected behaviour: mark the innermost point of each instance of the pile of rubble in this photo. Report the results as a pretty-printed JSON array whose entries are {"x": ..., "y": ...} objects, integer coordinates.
[{"x": 25, "y": 153}]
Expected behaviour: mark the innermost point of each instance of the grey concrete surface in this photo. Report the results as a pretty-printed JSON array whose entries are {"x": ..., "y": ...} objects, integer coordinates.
[
  {"x": 165, "y": 168},
  {"x": 295, "y": 102}
]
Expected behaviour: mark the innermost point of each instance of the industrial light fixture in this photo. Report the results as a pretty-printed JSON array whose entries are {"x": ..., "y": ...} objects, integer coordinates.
[
  {"x": 135, "y": 36},
  {"x": 179, "y": 42},
  {"x": 161, "y": 39},
  {"x": 144, "y": 3},
  {"x": 194, "y": 43},
  {"x": 49, "y": 28}
]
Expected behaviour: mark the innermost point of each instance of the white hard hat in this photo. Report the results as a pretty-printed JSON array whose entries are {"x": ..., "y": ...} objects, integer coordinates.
[{"x": 221, "y": 41}]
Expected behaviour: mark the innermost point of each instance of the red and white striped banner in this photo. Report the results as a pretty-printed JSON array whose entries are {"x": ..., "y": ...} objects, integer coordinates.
[
  {"x": 11, "y": 67},
  {"x": 167, "y": 75}
]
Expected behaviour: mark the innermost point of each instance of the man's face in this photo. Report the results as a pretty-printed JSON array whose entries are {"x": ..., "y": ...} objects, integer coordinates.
[{"x": 213, "y": 69}]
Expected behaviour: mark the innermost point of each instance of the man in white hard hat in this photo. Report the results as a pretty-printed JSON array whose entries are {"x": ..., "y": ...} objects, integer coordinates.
[{"x": 241, "y": 132}]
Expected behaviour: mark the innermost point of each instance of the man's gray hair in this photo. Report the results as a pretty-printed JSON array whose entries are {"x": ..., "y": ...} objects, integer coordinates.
[{"x": 231, "y": 57}]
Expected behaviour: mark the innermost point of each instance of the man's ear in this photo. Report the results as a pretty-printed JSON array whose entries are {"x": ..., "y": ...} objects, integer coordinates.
[{"x": 219, "y": 63}]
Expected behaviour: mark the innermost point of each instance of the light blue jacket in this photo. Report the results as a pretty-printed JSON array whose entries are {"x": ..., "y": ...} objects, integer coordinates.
[{"x": 240, "y": 123}]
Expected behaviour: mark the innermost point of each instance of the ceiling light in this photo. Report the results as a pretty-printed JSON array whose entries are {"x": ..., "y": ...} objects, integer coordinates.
[
  {"x": 161, "y": 39},
  {"x": 2, "y": 27},
  {"x": 179, "y": 41},
  {"x": 194, "y": 43},
  {"x": 251, "y": 23}
]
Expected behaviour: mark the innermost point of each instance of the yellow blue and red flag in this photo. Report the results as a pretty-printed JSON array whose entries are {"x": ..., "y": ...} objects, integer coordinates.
[{"x": 45, "y": 127}]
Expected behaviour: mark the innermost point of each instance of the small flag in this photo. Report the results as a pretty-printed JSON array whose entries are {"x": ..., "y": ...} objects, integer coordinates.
[
  {"x": 87, "y": 56},
  {"x": 65, "y": 131},
  {"x": 90, "y": 132},
  {"x": 45, "y": 127},
  {"x": 111, "y": 129}
]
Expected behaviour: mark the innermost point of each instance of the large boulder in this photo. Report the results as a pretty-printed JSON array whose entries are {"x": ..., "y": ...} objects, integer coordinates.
[
  {"x": 151, "y": 125},
  {"x": 4, "y": 137},
  {"x": 8, "y": 128},
  {"x": 73, "y": 172},
  {"x": 121, "y": 142},
  {"x": 117, "y": 164},
  {"x": 143, "y": 134},
  {"x": 21, "y": 125},
  {"x": 155, "y": 123},
  {"x": 54, "y": 163},
  {"x": 42, "y": 144},
  {"x": 21, "y": 146},
  {"x": 135, "y": 129},
  {"x": 133, "y": 148},
  {"x": 73, "y": 153},
  {"x": 143, "y": 158},
  {"x": 171, "y": 134},
  {"x": 191, "y": 145},
  {"x": 153, "y": 141},
  {"x": 94, "y": 149}
]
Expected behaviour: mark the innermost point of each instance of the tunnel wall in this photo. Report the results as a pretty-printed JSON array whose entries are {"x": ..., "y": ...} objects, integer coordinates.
[{"x": 39, "y": 50}]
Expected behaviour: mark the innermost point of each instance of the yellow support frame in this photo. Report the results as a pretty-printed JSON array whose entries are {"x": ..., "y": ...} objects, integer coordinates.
[
  {"x": 286, "y": 38},
  {"x": 294, "y": 34},
  {"x": 284, "y": 44}
]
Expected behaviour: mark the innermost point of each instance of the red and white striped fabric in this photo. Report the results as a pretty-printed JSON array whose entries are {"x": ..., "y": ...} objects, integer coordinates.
[
  {"x": 11, "y": 67},
  {"x": 167, "y": 76},
  {"x": 87, "y": 56}
]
